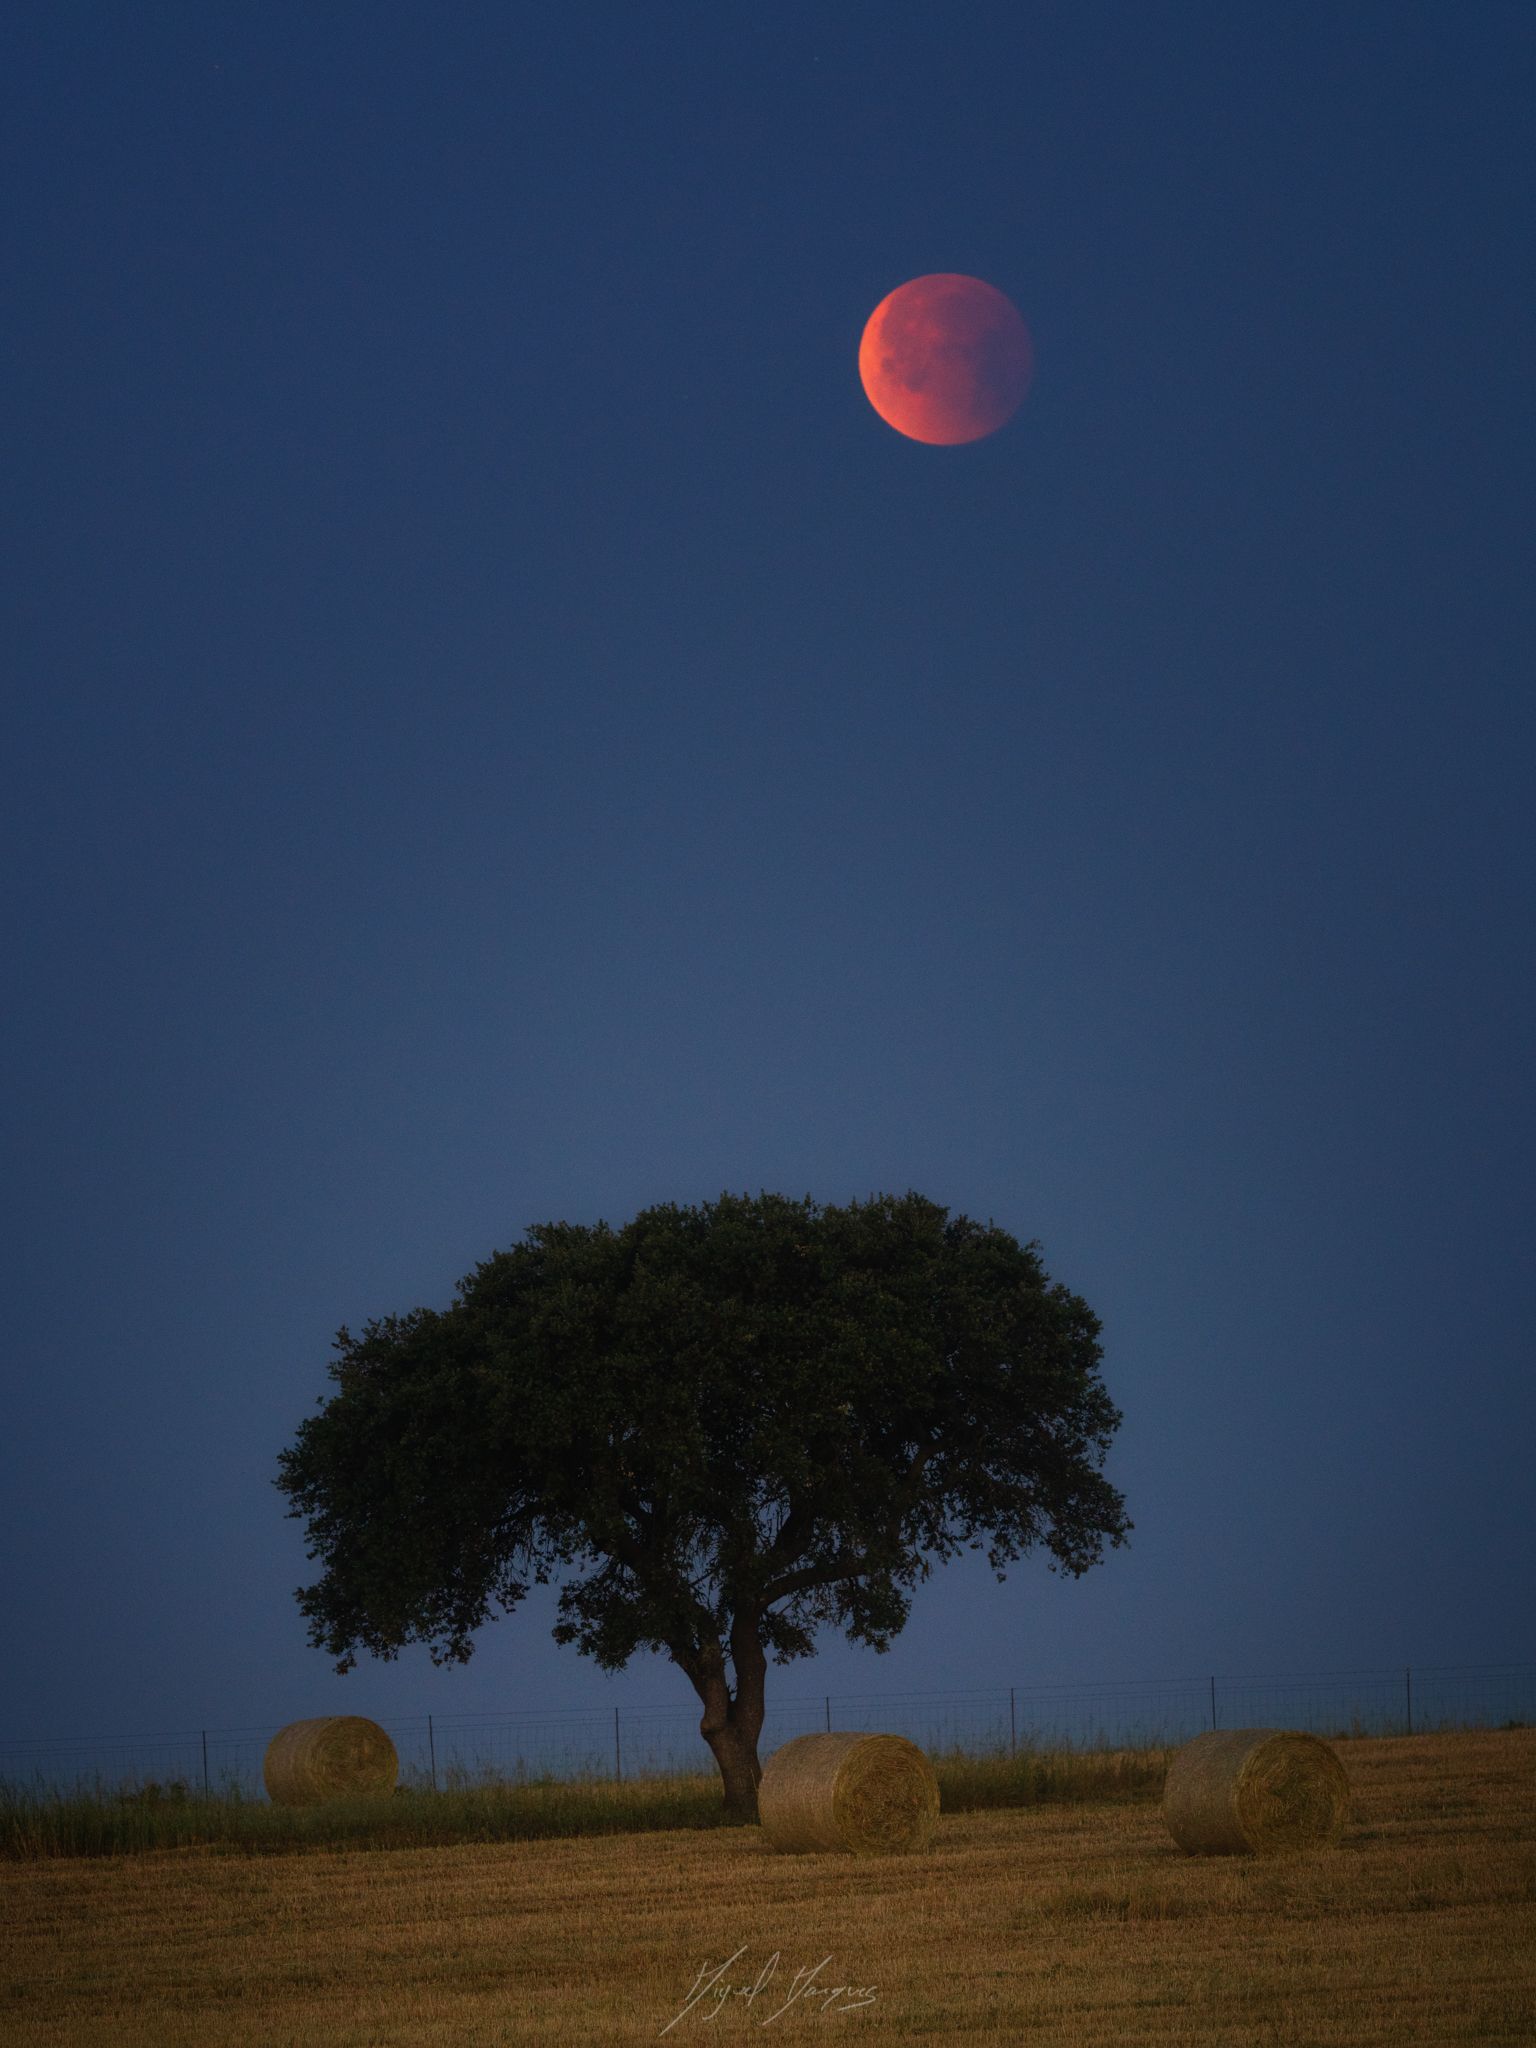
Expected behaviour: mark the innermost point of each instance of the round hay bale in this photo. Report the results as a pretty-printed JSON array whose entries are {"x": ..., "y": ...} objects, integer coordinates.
[
  {"x": 339, "y": 1756},
  {"x": 1254, "y": 1791},
  {"x": 870, "y": 1795}
]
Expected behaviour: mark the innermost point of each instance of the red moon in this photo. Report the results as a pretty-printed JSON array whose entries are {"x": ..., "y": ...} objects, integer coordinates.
[{"x": 946, "y": 359}]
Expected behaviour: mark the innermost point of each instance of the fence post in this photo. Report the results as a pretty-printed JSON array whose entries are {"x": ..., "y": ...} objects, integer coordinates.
[
  {"x": 1408, "y": 1694},
  {"x": 432, "y": 1751},
  {"x": 205, "y": 1763},
  {"x": 829, "y": 1713},
  {"x": 1213, "y": 1702},
  {"x": 618, "y": 1760},
  {"x": 1013, "y": 1728}
]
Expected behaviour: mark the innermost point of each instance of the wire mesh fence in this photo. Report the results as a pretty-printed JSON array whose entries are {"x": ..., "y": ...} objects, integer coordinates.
[{"x": 457, "y": 1749}]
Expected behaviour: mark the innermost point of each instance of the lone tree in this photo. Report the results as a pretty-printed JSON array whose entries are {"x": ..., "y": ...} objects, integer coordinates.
[{"x": 723, "y": 1427}]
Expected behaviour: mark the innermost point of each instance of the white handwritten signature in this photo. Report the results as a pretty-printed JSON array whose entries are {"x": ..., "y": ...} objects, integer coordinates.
[{"x": 713, "y": 1984}]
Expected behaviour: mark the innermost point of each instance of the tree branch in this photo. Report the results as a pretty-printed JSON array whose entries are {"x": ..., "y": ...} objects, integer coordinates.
[
  {"x": 794, "y": 1533},
  {"x": 845, "y": 1565}
]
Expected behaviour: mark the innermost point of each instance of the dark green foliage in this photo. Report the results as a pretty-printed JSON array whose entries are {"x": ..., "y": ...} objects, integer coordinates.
[{"x": 721, "y": 1428}]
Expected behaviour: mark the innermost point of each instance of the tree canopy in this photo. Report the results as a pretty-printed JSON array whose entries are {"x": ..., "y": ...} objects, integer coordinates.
[{"x": 720, "y": 1428}]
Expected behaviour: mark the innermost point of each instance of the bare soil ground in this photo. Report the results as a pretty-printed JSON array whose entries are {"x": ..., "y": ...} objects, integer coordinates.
[{"x": 1058, "y": 1927}]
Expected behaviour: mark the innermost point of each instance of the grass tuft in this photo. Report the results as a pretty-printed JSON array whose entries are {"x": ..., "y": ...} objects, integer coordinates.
[
  {"x": 105, "y": 1820},
  {"x": 100, "y": 1821},
  {"x": 1040, "y": 1777}
]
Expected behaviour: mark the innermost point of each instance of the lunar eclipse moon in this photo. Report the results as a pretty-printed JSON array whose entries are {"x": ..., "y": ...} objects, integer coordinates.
[{"x": 946, "y": 359}]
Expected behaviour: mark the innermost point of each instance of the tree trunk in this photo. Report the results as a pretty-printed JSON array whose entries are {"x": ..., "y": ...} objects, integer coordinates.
[
  {"x": 739, "y": 1768},
  {"x": 731, "y": 1725}
]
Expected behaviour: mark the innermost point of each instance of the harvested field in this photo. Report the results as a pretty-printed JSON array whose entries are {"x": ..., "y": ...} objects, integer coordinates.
[{"x": 1058, "y": 1927}]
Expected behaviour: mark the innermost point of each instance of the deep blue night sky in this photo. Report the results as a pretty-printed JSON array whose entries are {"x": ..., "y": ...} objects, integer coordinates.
[{"x": 497, "y": 729}]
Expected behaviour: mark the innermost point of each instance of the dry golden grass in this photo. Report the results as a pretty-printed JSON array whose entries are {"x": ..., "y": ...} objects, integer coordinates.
[{"x": 1055, "y": 1927}]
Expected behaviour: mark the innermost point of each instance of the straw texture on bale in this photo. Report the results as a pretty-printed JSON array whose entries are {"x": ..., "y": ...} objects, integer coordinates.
[
  {"x": 339, "y": 1756},
  {"x": 1254, "y": 1791},
  {"x": 869, "y": 1795}
]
